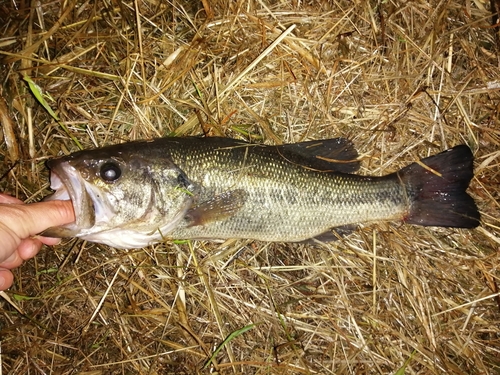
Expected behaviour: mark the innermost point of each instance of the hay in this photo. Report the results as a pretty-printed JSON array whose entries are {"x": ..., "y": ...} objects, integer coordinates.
[{"x": 402, "y": 79}]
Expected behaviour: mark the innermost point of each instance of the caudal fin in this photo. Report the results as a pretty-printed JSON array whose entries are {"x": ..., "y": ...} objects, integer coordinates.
[{"x": 438, "y": 192}]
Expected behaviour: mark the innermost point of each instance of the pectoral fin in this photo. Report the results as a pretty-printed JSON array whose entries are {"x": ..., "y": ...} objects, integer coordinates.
[{"x": 218, "y": 208}]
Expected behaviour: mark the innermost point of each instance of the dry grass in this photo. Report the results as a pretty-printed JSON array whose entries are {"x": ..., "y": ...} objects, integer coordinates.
[{"x": 402, "y": 79}]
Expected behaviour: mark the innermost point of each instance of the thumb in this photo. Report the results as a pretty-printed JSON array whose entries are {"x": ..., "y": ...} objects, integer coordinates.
[
  {"x": 4, "y": 198},
  {"x": 30, "y": 219}
]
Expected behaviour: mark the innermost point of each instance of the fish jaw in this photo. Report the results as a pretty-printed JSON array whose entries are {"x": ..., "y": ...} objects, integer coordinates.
[
  {"x": 68, "y": 184},
  {"x": 133, "y": 237}
]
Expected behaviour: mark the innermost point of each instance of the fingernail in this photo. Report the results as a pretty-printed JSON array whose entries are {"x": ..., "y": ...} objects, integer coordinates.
[{"x": 2, "y": 282}]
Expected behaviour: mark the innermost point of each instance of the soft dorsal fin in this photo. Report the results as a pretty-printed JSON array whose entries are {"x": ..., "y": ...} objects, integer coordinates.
[{"x": 332, "y": 155}]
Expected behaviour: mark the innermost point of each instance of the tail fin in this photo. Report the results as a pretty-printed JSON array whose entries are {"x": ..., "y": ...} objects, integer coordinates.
[{"x": 438, "y": 193}]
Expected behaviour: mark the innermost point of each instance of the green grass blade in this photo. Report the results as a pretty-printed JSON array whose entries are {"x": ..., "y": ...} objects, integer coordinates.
[
  {"x": 37, "y": 92},
  {"x": 402, "y": 369},
  {"x": 226, "y": 341}
]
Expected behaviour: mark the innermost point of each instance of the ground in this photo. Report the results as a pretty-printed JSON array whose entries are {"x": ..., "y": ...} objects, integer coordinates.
[{"x": 401, "y": 79}]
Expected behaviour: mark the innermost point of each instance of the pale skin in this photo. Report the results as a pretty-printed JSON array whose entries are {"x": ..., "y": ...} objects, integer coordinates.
[{"x": 19, "y": 225}]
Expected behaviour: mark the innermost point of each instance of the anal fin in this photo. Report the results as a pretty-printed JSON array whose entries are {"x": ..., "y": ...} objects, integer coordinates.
[{"x": 333, "y": 234}]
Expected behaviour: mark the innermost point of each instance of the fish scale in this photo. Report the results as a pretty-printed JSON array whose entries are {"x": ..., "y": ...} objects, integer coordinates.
[{"x": 301, "y": 203}]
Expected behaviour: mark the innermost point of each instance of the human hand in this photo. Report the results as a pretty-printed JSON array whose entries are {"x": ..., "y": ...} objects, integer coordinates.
[{"x": 19, "y": 224}]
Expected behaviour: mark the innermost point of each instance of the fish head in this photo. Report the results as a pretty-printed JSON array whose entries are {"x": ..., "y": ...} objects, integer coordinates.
[{"x": 122, "y": 198}]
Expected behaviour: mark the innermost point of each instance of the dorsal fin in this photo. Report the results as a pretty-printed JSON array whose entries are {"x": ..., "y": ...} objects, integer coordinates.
[{"x": 332, "y": 155}]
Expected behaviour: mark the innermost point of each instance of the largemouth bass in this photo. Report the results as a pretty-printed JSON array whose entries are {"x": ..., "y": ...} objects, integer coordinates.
[{"x": 135, "y": 194}]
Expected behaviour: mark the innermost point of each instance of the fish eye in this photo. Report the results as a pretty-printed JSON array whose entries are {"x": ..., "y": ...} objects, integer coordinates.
[{"x": 110, "y": 172}]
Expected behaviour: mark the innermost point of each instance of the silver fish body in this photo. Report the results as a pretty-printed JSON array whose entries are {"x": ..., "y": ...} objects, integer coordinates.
[{"x": 135, "y": 194}]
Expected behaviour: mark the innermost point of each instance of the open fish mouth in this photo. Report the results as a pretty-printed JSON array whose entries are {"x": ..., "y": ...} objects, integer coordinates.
[{"x": 67, "y": 184}]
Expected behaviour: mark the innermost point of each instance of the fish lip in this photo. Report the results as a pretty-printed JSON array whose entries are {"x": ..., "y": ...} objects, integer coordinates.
[{"x": 67, "y": 184}]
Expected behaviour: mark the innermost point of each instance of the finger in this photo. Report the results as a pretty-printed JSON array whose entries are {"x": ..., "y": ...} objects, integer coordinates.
[
  {"x": 13, "y": 261},
  {"x": 10, "y": 240},
  {"x": 8, "y": 199},
  {"x": 30, "y": 219},
  {"x": 48, "y": 240},
  {"x": 28, "y": 248},
  {"x": 6, "y": 279}
]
